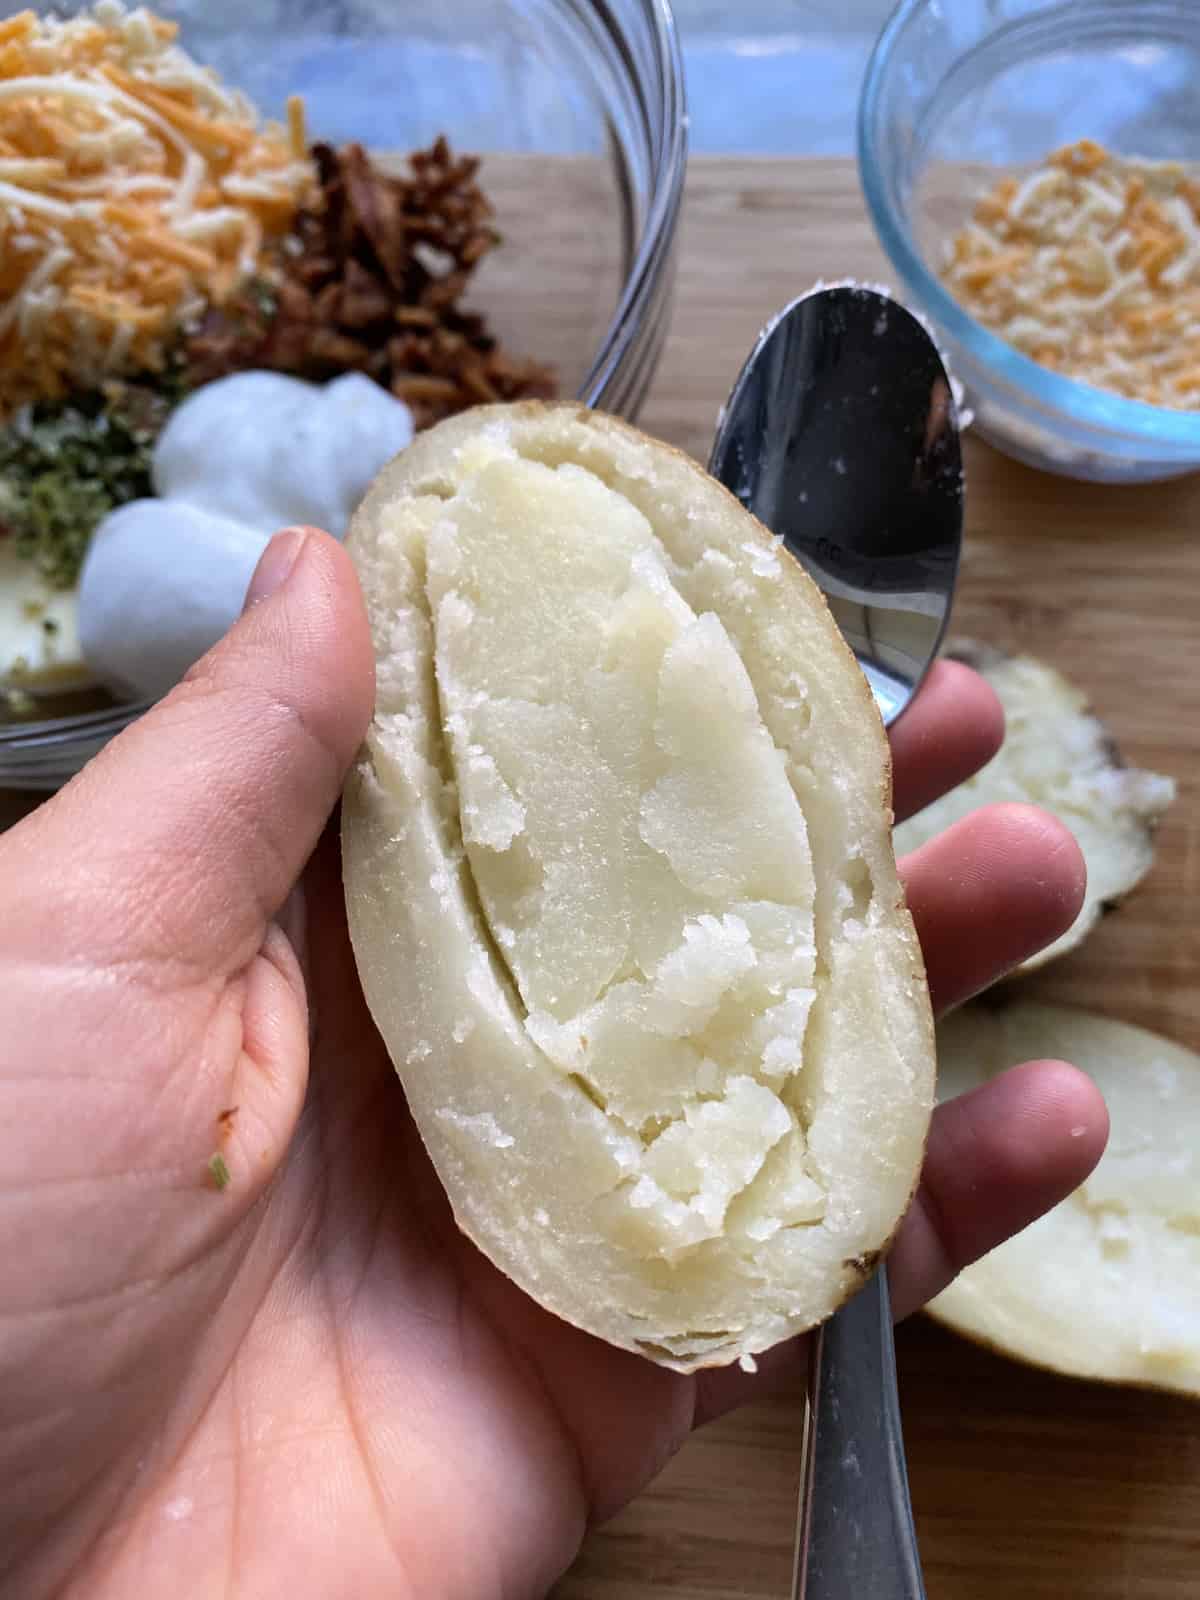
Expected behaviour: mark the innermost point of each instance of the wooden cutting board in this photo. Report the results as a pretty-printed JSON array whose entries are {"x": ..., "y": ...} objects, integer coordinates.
[{"x": 1026, "y": 1486}]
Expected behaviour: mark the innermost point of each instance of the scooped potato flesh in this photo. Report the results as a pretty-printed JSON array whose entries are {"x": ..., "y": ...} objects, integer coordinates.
[
  {"x": 612, "y": 761},
  {"x": 621, "y": 889}
]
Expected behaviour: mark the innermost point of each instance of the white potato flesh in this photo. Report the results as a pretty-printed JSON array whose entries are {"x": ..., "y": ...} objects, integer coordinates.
[
  {"x": 1107, "y": 1285},
  {"x": 621, "y": 887},
  {"x": 1058, "y": 756}
]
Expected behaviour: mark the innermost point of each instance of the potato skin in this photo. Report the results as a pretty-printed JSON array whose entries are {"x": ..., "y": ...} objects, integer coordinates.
[
  {"x": 1102, "y": 1286},
  {"x": 533, "y": 1168},
  {"x": 1113, "y": 810}
]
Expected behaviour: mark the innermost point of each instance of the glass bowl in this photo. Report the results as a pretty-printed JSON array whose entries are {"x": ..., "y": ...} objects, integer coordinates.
[
  {"x": 961, "y": 92},
  {"x": 577, "y": 108}
]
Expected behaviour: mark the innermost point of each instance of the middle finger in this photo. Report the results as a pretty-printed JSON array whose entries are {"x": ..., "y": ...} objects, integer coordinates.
[{"x": 988, "y": 893}]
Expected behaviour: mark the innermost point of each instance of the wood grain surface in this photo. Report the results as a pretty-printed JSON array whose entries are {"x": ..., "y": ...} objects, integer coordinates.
[{"x": 1026, "y": 1486}]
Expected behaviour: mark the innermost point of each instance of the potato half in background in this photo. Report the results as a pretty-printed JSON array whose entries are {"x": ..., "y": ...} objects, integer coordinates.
[
  {"x": 1107, "y": 1285},
  {"x": 621, "y": 887},
  {"x": 1059, "y": 756}
]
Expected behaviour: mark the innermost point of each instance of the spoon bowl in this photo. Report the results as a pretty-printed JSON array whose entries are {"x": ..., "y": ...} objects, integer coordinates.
[{"x": 841, "y": 435}]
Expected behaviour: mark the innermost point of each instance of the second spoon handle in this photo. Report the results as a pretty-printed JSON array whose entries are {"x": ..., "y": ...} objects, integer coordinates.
[{"x": 855, "y": 1538}]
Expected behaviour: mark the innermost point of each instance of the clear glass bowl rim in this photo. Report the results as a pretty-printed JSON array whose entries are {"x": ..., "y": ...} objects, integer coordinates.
[
  {"x": 1178, "y": 431},
  {"x": 652, "y": 257},
  {"x": 44, "y": 742}
]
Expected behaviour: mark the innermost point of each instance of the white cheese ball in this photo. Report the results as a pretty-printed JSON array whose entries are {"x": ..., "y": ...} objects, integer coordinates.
[
  {"x": 238, "y": 460},
  {"x": 271, "y": 450},
  {"x": 161, "y": 583}
]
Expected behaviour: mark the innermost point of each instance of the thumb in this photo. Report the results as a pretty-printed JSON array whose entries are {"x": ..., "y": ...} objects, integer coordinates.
[{"x": 194, "y": 824}]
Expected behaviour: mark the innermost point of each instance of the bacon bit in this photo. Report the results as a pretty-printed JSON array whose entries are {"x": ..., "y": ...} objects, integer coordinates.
[
  {"x": 376, "y": 287},
  {"x": 418, "y": 389},
  {"x": 415, "y": 317},
  {"x": 1108, "y": 293},
  {"x": 225, "y": 1119}
]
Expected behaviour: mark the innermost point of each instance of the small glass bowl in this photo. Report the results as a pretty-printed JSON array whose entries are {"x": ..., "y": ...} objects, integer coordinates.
[
  {"x": 577, "y": 108},
  {"x": 960, "y": 92}
]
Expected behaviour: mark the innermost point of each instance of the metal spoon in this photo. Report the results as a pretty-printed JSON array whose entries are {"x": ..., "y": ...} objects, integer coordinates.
[{"x": 841, "y": 435}]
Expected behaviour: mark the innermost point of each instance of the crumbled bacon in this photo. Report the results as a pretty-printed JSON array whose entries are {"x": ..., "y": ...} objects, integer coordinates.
[{"x": 372, "y": 282}]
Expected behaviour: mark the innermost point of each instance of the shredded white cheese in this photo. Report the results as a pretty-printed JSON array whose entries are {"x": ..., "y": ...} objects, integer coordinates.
[{"x": 1091, "y": 266}]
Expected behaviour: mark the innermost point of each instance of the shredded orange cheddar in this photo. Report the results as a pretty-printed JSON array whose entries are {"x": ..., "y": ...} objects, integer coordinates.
[
  {"x": 1084, "y": 156},
  {"x": 1090, "y": 265},
  {"x": 135, "y": 190},
  {"x": 297, "y": 127},
  {"x": 18, "y": 27},
  {"x": 220, "y": 139}
]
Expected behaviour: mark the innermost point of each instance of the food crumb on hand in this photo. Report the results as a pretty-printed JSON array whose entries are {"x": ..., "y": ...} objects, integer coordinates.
[{"x": 218, "y": 1171}]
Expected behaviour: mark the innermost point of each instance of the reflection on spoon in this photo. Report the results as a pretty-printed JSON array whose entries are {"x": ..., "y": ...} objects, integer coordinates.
[{"x": 841, "y": 436}]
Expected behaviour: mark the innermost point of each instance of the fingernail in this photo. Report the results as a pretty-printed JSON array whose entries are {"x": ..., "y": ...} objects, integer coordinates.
[{"x": 275, "y": 564}]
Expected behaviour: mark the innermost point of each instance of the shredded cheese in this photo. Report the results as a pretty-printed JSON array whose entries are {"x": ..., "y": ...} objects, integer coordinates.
[
  {"x": 1091, "y": 266},
  {"x": 135, "y": 189}
]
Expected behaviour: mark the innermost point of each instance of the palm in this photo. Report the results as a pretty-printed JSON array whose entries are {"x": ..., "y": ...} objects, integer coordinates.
[
  {"x": 311, "y": 1380},
  {"x": 355, "y": 1288}
]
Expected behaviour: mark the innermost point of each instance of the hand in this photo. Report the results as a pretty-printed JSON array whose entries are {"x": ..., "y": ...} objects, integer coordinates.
[{"x": 307, "y": 1382}]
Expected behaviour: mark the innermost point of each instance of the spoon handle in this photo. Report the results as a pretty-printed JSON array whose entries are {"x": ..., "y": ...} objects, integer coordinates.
[{"x": 854, "y": 1531}]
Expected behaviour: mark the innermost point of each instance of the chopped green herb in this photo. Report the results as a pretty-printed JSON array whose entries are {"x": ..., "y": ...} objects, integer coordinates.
[
  {"x": 219, "y": 1172},
  {"x": 263, "y": 296},
  {"x": 64, "y": 467},
  {"x": 16, "y": 703}
]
